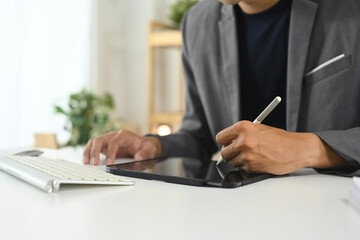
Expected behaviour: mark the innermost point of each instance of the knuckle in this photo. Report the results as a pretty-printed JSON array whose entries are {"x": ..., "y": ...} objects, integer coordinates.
[
  {"x": 113, "y": 142},
  {"x": 97, "y": 139},
  {"x": 242, "y": 125},
  {"x": 230, "y": 149},
  {"x": 245, "y": 157},
  {"x": 123, "y": 132},
  {"x": 111, "y": 134},
  {"x": 237, "y": 145},
  {"x": 89, "y": 143},
  {"x": 247, "y": 142}
]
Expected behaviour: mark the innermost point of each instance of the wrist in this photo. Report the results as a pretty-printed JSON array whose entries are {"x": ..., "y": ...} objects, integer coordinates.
[
  {"x": 323, "y": 156},
  {"x": 156, "y": 142},
  {"x": 315, "y": 149}
]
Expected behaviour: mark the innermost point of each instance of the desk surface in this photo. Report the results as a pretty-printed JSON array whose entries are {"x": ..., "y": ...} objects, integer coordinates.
[{"x": 302, "y": 205}]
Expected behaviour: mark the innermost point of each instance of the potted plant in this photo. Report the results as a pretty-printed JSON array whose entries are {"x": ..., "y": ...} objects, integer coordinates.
[
  {"x": 178, "y": 9},
  {"x": 88, "y": 116}
]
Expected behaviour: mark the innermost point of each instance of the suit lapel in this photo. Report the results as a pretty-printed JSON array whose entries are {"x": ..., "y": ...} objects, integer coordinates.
[
  {"x": 302, "y": 19},
  {"x": 230, "y": 59}
]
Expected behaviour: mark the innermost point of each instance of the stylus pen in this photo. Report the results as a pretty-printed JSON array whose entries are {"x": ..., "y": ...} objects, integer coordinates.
[{"x": 261, "y": 117}]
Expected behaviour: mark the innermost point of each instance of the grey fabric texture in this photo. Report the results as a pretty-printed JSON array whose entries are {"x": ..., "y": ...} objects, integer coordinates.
[{"x": 326, "y": 102}]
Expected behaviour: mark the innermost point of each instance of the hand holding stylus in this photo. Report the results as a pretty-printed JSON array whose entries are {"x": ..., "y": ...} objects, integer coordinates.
[
  {"x": 261, "y": 117},
  {"x": 261, "y": 148}
]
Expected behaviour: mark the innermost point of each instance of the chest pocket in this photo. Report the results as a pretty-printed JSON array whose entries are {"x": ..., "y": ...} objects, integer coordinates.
[{"x": 327, "y": 71}]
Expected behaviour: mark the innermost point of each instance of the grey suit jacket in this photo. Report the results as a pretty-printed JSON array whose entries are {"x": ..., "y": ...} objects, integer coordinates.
[{"x": 326, "y": 102}]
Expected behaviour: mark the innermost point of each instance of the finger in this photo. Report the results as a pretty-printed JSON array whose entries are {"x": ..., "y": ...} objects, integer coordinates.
[
  {"x": 146, "y": 151},
  {"x": 228, "y": 135},
  {"x": 105, "y": 148},
  {"x": 237, "y": 161},
  {"x": 123, "y": 144},
  {"x": 113, "y": 149},
  {"x": 230, "y": 151},
  {"x": 242, "y": 166},
  {"x": 86, "y": 154},
  {"x": 246, "y": 161},
  {"x": 97, "y": 145}
]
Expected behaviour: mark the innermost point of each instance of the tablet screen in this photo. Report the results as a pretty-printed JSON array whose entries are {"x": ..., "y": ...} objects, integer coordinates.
[{"x": 190, "y": 171}]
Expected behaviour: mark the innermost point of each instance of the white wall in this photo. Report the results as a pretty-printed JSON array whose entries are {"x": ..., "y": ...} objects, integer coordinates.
[
  {"x": 121, "y": 50},
  {"x": 44, "y": 56},
  {"x": 52, "y": 48}
]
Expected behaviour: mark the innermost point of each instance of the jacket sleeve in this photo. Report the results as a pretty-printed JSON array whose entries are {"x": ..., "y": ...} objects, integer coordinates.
[
  {"x": 194, "y": 138},
  {"x": 345, "y": 143}
]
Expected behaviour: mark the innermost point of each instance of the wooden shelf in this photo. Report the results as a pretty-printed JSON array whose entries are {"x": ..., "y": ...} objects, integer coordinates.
[
  {"x": 166, "y": 117},
  {"x": 165, "y": 39},
  {"x": 161, "y": 35}
]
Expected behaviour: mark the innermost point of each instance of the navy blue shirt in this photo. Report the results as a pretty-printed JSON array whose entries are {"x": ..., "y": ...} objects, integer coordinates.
[{"x": 263, "y": 46}]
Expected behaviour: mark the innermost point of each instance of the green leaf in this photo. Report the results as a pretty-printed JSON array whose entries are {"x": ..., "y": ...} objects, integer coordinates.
[
  {"x": 178, "y": 9},
  {"x": 87, "y": 116},
  {"x": 109, "y": 101},
  {"x": 58, "y": 109}
]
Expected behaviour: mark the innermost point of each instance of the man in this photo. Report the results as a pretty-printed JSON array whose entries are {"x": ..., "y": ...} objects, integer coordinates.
[{"x": 237, "y": 56}]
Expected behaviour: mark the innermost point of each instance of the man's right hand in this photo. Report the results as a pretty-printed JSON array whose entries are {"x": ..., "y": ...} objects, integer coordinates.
[{"x": 121, "y": 144}]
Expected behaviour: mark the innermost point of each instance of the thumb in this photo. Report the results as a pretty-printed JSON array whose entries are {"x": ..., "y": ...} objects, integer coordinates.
[{"x": 146, "y": 151}]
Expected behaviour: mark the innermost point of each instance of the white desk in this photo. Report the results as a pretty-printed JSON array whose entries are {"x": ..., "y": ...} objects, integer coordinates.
[{"x": 303, "y": 205}]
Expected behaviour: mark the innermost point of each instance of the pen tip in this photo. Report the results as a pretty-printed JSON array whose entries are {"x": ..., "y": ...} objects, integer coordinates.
[{"x": 278, "y": 98}]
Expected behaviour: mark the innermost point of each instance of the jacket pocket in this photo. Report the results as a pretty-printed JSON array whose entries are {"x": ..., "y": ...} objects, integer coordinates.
[{"x": 327, "y": 71}]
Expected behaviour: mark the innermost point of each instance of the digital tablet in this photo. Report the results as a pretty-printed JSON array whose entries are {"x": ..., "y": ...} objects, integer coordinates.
[{"x": 189, "y": 171}]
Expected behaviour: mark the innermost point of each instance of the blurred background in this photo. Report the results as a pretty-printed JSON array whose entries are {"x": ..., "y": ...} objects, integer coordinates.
[{"x": 51, "y": 50}]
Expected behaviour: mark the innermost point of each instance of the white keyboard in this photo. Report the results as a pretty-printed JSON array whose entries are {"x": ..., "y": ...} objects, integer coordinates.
[{"x": 48, "y": 174}]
